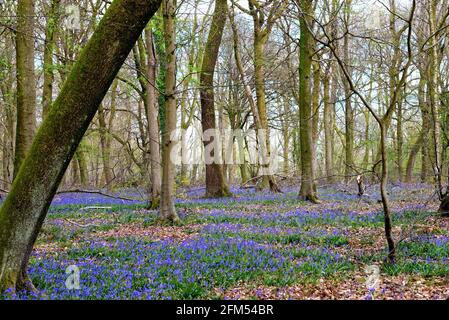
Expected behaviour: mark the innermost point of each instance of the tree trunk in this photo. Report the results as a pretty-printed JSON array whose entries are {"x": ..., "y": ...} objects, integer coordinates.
[
  {"x": 315, "y": 116},
  {"x": 400, "y": 141},
  {"x": 52, "y": 24},
  {"x": 26, "y": 82},
  {"x": 328, "y": 129},
  {"x": 105, "y": 152},
  {"x": 286, "y": 138},
  {"x": 167, "y": 208},
  {"x": 25, "y": 208},
  {"x": 262, "y": 30},
  {"x": 7, "y": 90},
  {"x": 146, "y": 67},
  {"x": 349, "y": 113},
  {"x": 153, "y": 123},
  {"x": 82, "y": 164},
  {"x": 307, "y": 191},
  {"x": 412, "y": 157},
  {"x": 385, "y": 201},
  {"x": 215, "y": 182}
]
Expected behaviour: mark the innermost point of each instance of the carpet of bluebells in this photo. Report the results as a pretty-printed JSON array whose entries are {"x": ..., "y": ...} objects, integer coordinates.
[{"x": 254, "y": 245}]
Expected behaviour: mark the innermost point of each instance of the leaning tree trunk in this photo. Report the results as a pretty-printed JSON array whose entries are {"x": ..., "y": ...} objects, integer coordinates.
[
  {"x": 25, "y": 208},
  {"x": 215, "y": 183},
  {"x": 167, "y": 210},
  {"x": 26, "y": 82}
]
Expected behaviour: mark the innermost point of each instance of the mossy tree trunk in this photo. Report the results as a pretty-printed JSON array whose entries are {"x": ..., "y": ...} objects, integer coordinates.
[
  {"x": 167, "y": 207},
  {"x": 7, "y": 89},
  {"x": 25, "y": 208},
  {"x": 215, "y": 182},
  {"x": 26, "y": 81}
]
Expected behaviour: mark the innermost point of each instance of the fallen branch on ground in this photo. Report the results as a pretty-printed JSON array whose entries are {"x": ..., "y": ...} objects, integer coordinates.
[{"x": 98, "y": 192}]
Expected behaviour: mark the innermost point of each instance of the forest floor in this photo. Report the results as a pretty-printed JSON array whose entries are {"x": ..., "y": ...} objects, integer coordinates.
[{"x": 250, "y": 246}]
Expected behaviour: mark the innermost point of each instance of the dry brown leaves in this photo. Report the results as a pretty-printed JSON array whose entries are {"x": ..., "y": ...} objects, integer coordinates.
[
  {"x": 155, "y": 233},
  {"x": 403, "y": 287}
]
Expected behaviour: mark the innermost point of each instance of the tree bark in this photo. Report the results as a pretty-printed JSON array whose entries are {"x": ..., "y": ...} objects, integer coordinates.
[
  {"x": 105, "y": 154},
  {"x": 349, "y": 113},
  {"x": 152, "y": 122},
  {"x": 307, "y": 191},
  {"x": 412, "y": 157},
  {"x": 262, "y": 30},
  {"x": 50, "y": 32},
  {"x": 167, "y": 208},
  {"x": 328, "y": 129},
  {"x": 26, "y": 82},
  {"x": 25, "y": 208},
  {"x": 146, "y": 65},
  {"x": 216, "y": 185}
]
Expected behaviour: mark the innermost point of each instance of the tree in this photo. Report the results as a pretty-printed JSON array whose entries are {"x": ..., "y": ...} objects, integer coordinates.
[
  {"x": 215, "y": 182},
  {"x": 349, "y": 112},
  {"x": 263, "y": 25},
  {"x": 382, "y": 120},
  {"x": 167, "y": 209},
  {"x": 50, "y": 32},
  {"x": 307, "y": 191},
  {"x": 146, "y": 66},
  {"x": 25, "y": 208},
  {"x": 26, "y": 82}
]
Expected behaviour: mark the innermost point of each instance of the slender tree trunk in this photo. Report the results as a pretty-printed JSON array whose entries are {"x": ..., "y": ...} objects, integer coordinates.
[
  {"x": 7, "y": 90},
  {"x": 328, "y": 129},
  {"x": 215, "y": 182},
  {"x": 25, "y": 208},
  {"x": 424, "y": 104},
  {"x": 262, "y": 29},
  {"x": 400, "y": 141},
  {"x": 349, "y": 113},
  {"x": 315, "y": 116},
  {"x": 434, "y": 99},
  {"x": 167, "y": 208},
  {"x": 286, "y": 138},
  {"x": 105, "y": 155},
  {"x": 152, "y": 121},
  {"x": 384, "y": 194},
  {"x": 26, "y": 82},
  {"x": 50, "y": 32},
  {"x": 82, "y": 165}
]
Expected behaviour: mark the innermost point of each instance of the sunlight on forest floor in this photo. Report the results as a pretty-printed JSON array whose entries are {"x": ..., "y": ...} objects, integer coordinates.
[{"x": 250, "y": 246}]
